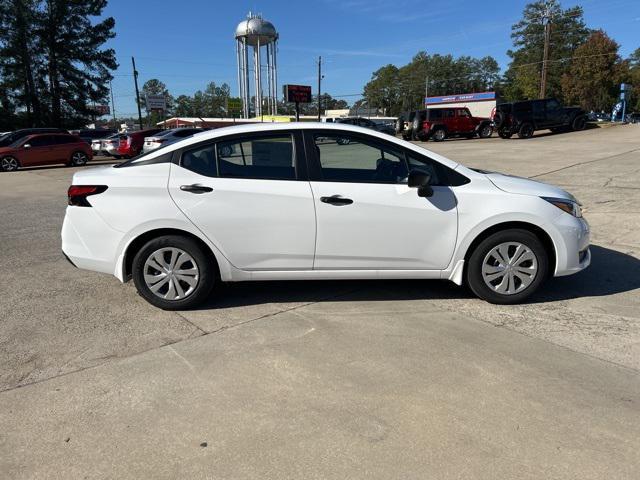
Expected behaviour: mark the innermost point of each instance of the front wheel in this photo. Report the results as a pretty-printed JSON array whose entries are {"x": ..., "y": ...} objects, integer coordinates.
[
  {"x": 173, "y": 273},
  {"x": 579, "y": 123},
  {"x": 9, "y": 164},
  {"x": 78, "y": 159},
  {"x": 507, "y": 267}
]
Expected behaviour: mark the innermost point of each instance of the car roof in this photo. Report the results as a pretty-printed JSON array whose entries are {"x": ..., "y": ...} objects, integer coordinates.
[{"x": 288, "y": 126}]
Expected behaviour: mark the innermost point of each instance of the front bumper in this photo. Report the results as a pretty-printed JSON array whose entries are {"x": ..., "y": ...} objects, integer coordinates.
[{"x": 572, "y": 247}]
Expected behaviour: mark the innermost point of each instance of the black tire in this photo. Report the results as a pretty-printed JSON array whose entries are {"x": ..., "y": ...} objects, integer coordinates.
[
  {"x": 78, "y": 159},
  {"x": 204, "y": 264},
  {"x": 485, "y": 131},
  {"x": 474, "y": 274},
  {"x": 579, "y": 123},
  {"x": 9, "y": 163},
  {"x": 505, "y": 133},
  {"x": 439, "y": 134},
  {"x": 525, "y": 131}
]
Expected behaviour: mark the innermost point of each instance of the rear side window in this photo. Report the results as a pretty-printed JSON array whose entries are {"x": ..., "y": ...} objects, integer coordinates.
[
  {"x": 435, "y": 114},
  {"x": 201, "y": 160},
  {"x": 267, "y": 157},
  {"x": 62, "y": 139}
]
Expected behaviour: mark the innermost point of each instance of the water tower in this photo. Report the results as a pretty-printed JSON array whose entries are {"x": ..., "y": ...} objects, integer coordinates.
[{"x": 256, "y": 32}]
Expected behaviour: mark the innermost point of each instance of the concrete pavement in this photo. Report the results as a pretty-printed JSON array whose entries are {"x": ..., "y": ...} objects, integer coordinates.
[{"x": 329, "y": 379}]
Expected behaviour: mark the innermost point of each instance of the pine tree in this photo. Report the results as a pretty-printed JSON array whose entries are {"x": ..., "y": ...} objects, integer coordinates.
[{"x": 77, "y": 66}]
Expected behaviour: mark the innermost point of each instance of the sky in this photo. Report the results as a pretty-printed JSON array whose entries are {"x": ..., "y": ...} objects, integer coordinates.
[{"x": 190, "y": 43}]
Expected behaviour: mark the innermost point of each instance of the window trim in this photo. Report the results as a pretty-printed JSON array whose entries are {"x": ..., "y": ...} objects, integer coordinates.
[
  {"x": 299, "y": 165},
  {"x": 315, "y": 167}
]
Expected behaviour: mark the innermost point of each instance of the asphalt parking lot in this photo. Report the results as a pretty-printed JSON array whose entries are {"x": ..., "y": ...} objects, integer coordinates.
[{"x": 380, "y": 379}]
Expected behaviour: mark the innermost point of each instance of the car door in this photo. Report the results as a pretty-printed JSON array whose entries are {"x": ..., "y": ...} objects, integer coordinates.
[
  {"x": 250, "y": 196},
  {"x": 463, "y": 121},
  {"x": 367, "y": 216},
  {"x": 38, "y": 150}
]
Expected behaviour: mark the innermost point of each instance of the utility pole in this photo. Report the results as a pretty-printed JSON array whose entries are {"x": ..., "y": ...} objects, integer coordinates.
[
  {"x": 135, "y": 80},
  {"x": 113, "y": 107},
  {"x": 545, "y": 55},
  {"x": 319, "y": 86},
  {"x": 426, "y": 90}
]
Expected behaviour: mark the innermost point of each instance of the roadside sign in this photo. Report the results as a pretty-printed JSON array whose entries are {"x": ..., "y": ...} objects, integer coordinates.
[
  {"x": 156, "y": 102},
  {"x": 234, "y": 105},
  {"x": 100, "y": 109},
  {"x": 297, "y": 93}
]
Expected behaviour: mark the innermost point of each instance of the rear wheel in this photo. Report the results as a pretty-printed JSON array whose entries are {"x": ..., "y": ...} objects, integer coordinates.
[
  {"x": 9, "y": 164},
  {"x": 485, "y": 131},
  {"x": 78, "y": 159},
  {"x": 525, "y": 131},
  {"x": 504, "y": 133},
  {"x": 438, "y": 135},
  {"x": 173, "y": 273},
  {"x": 507, "y": 266}
]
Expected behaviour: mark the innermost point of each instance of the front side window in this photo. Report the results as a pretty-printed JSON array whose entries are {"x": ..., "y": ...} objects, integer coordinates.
[
  {"x": 41, "y": 141},
  {"x": 462, "y": 112},
  {"x": 345, "y": 157},
  {"x": 440, "y": 175},
  {"x": 269, "y": 157}
]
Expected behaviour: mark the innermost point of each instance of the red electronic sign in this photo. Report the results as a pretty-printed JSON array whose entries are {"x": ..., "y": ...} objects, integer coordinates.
[{"x": 297, "y": 93}]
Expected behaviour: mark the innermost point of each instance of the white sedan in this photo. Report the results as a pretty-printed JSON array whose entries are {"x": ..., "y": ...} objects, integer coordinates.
[{"x": 312, "y": 201}]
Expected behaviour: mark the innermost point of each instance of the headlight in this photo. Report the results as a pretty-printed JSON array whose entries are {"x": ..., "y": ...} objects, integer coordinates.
[{"x": 569, "y": 206}]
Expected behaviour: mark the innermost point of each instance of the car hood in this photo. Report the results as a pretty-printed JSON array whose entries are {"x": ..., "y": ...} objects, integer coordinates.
[{"x": 526, "y": 186}]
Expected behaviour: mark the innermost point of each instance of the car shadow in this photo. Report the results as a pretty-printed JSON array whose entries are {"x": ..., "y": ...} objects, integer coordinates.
[{"x": 610, "y": 272}]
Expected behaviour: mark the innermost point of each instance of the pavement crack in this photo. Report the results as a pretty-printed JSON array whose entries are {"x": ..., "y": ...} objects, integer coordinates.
[{"x": 585, "y": 163}]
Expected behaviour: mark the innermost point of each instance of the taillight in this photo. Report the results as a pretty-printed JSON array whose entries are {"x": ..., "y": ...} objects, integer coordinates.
[{"x": 78, "y": 194}]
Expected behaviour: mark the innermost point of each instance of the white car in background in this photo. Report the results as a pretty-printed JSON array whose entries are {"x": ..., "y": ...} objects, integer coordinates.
[
  {"x": 309, "y": 201},
  {"x": 167, "y": 137}
]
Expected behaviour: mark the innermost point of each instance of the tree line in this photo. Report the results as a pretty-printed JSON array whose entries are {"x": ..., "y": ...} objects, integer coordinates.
[
  {"x": 53, "y": 64},
  {"x": 583, "y": 68}
]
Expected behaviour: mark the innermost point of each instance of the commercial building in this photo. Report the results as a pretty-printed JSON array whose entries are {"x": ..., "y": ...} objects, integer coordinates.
[{"x": 480, "y": 104}]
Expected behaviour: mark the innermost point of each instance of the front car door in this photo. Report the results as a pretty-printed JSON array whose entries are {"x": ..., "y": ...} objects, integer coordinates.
[
  {"x": 368, "y": 218},
  {"x": 249, "y": 194},
  {"x": 554, "y": 112},
  {"x": 38, "y": 150}
]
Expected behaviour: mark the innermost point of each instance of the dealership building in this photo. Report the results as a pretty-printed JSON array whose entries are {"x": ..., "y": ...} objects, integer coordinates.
[{"x": 480, "y": 104}]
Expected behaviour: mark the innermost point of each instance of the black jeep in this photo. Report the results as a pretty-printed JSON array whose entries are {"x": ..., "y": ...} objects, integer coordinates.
[{"x": 528, "y": 116}]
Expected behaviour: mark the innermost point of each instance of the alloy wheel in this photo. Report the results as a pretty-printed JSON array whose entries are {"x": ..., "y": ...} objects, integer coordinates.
[
  {"x": 171, "y": 273},
  {"x": 509, "y": 268},
  {"x": 78, "y": 159},
  {"x": 9, "y": 164}
]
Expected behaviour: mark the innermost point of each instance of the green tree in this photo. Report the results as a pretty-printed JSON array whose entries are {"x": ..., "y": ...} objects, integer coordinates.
[
  {"x": 77, "y": 66},
  {"x": 215, "y": 99},
  {"x": 20, "y": 63},
  {"x": 567, "y": 32},
  {"x": 383, "y": 90},
  {"x": 183, "y": 106},
  {"x": 634, "y": 79},
  {"x": 593, "y": 78}
]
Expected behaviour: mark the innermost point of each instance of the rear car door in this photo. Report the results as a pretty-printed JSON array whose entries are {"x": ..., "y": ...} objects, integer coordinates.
[
  {"x": 248, "y": 193},
  {"x": 368, "y": 217}
]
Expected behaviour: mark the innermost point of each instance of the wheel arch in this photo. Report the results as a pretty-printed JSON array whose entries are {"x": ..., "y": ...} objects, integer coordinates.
[
  {"x": 138, "y": 242},
  {"x": 539, "y": 232}
]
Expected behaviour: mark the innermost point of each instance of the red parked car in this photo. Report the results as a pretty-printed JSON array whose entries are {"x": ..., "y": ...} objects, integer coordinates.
[
  {"x": 440, "y": 123},
  {"x": 131, "y": 143},
  {"x": 45, "y": 149}
]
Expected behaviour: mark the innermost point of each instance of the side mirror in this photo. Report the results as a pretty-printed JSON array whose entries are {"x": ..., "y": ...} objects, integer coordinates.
[
  {"x": 26, "y": 145},
  {"x": 422, "y": 181}
]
